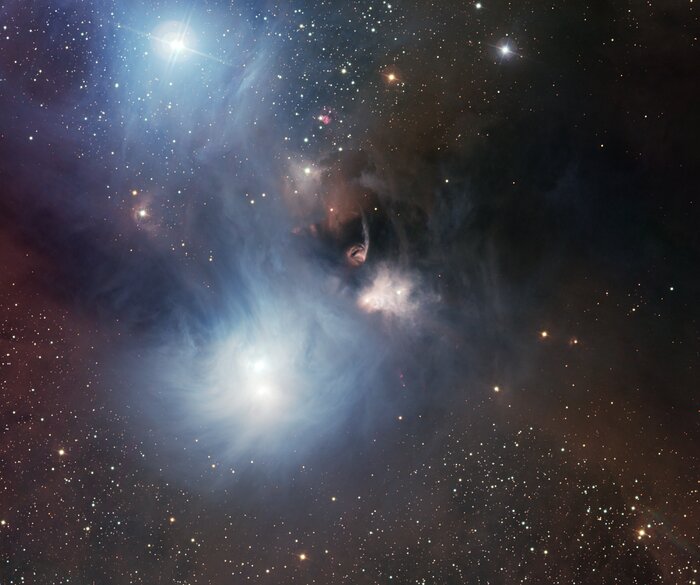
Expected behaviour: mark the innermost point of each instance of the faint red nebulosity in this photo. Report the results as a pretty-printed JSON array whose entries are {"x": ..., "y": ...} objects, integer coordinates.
[{"x": 326, "y": 116}]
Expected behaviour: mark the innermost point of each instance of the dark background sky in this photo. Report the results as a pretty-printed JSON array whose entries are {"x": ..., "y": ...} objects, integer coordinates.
[{"x": 517, "y": 405}]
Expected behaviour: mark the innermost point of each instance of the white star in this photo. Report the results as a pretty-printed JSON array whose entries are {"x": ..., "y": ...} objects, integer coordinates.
[{"x": 177, "y": 44}]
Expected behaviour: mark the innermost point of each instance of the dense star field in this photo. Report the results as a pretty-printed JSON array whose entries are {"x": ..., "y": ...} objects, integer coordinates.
[{"x": 364, "y": 292}]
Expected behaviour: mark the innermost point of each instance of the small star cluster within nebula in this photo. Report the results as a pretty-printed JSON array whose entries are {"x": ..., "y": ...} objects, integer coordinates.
[{"x": 354, "y": 293}]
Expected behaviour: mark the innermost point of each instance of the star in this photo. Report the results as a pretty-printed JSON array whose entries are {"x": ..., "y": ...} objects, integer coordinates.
[
  {"x": 172, "y": 39},
  {"x": 177, "y": 45}
]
